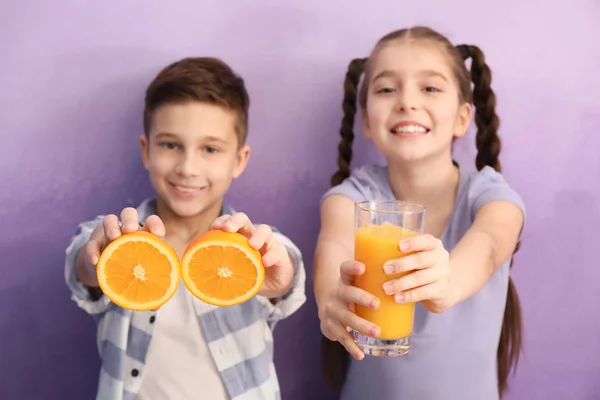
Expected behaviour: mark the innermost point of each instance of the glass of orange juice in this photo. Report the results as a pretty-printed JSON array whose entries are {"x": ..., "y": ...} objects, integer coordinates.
[{"x": 379, "y": 228}]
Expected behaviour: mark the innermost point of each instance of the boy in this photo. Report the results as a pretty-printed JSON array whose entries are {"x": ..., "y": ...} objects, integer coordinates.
[{"x": 195, "y": 122}]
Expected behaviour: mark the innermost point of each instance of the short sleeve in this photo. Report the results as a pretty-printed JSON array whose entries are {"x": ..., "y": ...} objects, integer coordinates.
[
  {"x": 489, "y": 185},
  {"x": 365, "y": 183}
]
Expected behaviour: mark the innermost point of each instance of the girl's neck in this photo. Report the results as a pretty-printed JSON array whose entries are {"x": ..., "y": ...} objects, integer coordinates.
[
  {"x": 185, "y": 229},
  {"x": 432, "y": 183}
]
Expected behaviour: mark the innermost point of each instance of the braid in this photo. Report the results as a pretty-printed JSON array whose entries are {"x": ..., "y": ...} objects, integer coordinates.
[
  {"x": 484, "y": 99},
  {"x": 355, "y": 70},
  {"x": 334, "y": 356},
  {"x": 488, "y": 149}
]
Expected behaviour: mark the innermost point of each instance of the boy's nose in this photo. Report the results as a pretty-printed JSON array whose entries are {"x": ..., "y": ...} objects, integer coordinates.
[{"x": 188, "y": 165}]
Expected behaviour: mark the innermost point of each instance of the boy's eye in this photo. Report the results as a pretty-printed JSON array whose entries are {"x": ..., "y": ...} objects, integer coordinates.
[
  {"x": 211, "y": 150},
  {"x": 169, "y": 146}
]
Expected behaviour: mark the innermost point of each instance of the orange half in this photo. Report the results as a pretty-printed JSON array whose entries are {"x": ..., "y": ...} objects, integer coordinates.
[
  {"x": 138, "y": 271},
  {"x": 220, "y": 268}
]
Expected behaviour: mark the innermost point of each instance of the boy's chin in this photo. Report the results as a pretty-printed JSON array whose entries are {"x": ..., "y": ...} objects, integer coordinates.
[{"x": 189, "y": 209}]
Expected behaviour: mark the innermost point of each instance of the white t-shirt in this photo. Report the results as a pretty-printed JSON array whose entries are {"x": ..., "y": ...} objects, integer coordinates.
[{"x": 179, "y": 364}]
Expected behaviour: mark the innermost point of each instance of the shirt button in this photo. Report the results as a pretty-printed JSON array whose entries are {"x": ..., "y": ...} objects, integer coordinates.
[
  {"x": 152, "y": 319},
  {"x": 135, "y": 372}
]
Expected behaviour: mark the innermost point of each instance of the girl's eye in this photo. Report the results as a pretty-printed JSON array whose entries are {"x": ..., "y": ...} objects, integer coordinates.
[
  {"x": 431, "y": 89},
  {"x": 385, "y": 90},
  {"x": 211, "y": 150}
]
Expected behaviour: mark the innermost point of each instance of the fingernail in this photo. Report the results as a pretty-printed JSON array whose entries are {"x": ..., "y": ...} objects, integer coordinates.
[
  {"x": 388, "y": 288},
  {"x": 374, "y": 332},
  {"x": 374, "y": 304},
  {"x": 388, "y": 268},
  {"x": 358, "y": 268},
  {"x": 404, "y": 246},
  {"x": 399, "y": 298},
  {"x": 94, "y": 259},
  {"x": 358, "y": 355}
]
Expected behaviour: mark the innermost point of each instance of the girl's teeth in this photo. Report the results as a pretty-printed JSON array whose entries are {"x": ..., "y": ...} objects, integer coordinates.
[{"x": 410, "y": 129}]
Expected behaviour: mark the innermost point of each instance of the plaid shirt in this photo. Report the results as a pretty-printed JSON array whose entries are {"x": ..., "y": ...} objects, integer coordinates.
[{"x": 240, "y": 338}]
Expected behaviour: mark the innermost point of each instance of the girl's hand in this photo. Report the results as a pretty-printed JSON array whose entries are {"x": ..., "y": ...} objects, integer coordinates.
[
  {"x": 337, "y": 314},
  {"x": 429, "y": 274}
]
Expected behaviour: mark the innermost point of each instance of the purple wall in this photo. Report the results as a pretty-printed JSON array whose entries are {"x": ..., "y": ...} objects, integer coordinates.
[{"x": 72, "y": 76}]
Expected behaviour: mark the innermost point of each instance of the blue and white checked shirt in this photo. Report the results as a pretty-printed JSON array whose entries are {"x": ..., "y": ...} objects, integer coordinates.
[{"x": 240, "y": 338}]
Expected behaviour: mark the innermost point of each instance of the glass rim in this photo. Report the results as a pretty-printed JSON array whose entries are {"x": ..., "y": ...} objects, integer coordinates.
[{"x": 374, "y": 206}]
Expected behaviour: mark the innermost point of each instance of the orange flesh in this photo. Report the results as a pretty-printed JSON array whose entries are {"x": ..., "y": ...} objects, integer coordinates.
[
  {"x": 222, "y": 272},
  {"x": 154, "y": 276}
]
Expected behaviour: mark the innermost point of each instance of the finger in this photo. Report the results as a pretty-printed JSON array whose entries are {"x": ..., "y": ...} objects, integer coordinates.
[
  {"x": 92, "y": 251},
  {"x": 411, "y": 281},
  {"x": 350, "y": 269},
  {"x": 352, "y": 294},
  {"x": 98, "y": 232},
  {"x": 338, "y": 334},
  {"x": 261, "y": 237},
  {"x": 348, "y": 318},
  {"x": 273, "y": 257},
  {"x": 155, "y": 225},
  {"x": 239, "y": 222},
  {"x": 426, "y": 292},
  {"x": 112, "y": 230},
  {"x": 419, "y": 243},
  {"x": 220, "y": 221},
  {"x": 351, "y": 347},
  {"x": 412, "y": 262},
  {"x": 129, "y": 220}
]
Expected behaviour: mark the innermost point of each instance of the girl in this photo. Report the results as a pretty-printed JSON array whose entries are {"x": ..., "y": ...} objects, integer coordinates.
[{"x": 415, "y": 100}]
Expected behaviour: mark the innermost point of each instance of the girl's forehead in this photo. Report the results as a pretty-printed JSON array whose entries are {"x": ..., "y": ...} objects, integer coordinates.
[{"x": 409, "y": 55}]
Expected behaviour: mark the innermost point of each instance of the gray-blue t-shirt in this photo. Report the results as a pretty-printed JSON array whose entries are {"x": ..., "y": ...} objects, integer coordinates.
[{"x": 453, "y": 354}]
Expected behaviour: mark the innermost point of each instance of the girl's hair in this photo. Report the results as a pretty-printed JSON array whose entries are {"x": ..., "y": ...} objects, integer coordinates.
[{"x": 335, "y": 358}]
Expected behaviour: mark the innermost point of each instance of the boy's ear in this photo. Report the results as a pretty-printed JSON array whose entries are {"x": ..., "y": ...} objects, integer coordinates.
[
  {"x": 144, "y": 148},
  {"x": 241, "y": 161}
]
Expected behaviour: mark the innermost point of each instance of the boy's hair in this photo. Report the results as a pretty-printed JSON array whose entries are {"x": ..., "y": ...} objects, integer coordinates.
[
  {"x": 488, "y": 149},
  {"x": 199, "y": 79}
]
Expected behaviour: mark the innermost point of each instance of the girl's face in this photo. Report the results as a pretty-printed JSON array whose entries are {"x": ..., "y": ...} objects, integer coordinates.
[{"x": 413, "y": 110}]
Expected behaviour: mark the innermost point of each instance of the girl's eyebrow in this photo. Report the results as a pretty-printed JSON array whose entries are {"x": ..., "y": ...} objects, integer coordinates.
[{"x": 389, "y": 73}]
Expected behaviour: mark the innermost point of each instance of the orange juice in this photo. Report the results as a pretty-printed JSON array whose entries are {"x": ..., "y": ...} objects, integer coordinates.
[{"x": 376, "y": 244}]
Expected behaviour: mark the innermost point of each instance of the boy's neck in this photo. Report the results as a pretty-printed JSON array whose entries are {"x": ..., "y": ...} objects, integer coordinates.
[
  {"x": 187, "y": 228},
  {"x": 431, "y": 182}
]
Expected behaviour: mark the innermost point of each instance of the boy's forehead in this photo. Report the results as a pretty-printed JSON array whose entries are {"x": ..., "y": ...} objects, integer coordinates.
[{"x": 194, "y": 119}]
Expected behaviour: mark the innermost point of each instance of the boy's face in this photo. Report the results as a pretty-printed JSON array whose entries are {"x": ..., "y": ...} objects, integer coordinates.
[{"x": 192, "y": 154}]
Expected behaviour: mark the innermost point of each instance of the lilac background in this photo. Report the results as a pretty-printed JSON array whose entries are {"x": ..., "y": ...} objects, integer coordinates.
[{"x": 72, "y": 75}]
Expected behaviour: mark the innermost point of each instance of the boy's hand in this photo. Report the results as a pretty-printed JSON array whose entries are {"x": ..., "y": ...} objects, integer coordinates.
[
  {"x": 111, "y": 228},
  {"x": 279, "y": 271}
]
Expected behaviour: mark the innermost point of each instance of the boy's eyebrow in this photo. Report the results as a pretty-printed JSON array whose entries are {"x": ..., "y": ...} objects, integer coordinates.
[
  {"x": 167, "y": 134},
  {"x": 205, "y": 138},
  {"x": 214, "y": 139}
]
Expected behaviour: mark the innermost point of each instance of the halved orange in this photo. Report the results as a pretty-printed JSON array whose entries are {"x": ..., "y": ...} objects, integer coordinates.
[
  {"x": 220, "y": 268},
  {"x": 138, "y": 271}
]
